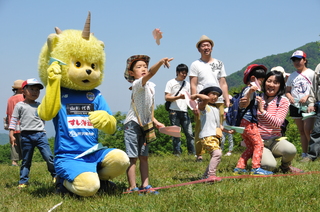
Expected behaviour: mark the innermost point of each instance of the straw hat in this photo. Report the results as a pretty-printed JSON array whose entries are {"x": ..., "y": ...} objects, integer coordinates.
[
  {"x": 17, "y": 84},
  {"x": 204, "y": 38},
  {"x": 130, "y": 60}
]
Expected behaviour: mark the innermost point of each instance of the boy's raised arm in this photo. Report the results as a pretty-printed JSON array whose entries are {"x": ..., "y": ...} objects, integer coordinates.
[{"x": 154, "y": 69}]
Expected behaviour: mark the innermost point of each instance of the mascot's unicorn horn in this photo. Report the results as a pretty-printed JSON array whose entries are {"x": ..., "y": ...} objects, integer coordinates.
[
  {"x": 86, "y": 29},
  {"x": 58, "y": 31}
]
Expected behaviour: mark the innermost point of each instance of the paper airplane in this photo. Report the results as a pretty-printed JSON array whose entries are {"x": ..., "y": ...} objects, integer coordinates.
[
  {"x": 171, "y": 130},
  {"x": 237, "y": 129},
  {"x": 193, "y": 105},
  {"x": 91, "y": 150}
]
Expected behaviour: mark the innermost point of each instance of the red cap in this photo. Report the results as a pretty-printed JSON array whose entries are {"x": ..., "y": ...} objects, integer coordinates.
[
  {"x": 251, "y": 68},
  {"x": 32, "y": 81},
  {"x": 299, "y": 54}
]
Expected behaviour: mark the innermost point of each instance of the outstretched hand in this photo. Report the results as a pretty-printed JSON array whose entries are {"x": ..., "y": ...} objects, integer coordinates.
[{"x": 166, "y": 61}]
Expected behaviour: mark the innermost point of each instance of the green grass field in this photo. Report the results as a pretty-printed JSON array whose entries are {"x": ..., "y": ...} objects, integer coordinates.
[{"x": 284, "y": 193}]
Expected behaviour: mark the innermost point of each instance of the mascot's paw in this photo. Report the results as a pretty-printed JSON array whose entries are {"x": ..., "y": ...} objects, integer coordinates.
[
  {"x": 85, "y": 184},
  {"x": 101, "y": 120},
  {"x": 114, "y": 164},
  {"x": 54, "y": 70}
]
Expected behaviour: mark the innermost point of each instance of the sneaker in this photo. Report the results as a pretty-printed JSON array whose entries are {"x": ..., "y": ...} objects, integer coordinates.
[
  {"x": 149, "y": 190},
  {"x": 21, "y": 186},
  {"x": 260, "y": 171},
  {"x": 290, "y": 169},
  {"x": 214, "y": 179},
  {"x": 306, "y": 159},
  {"x": 285, "y": 169},
  {"x": 199, "y": 158},
  {"x": 303, "y": 155},
  {"x": 54, "y": 180},
  {"x": 228, "y": 154},
  {"x": 239, "y": 171}
]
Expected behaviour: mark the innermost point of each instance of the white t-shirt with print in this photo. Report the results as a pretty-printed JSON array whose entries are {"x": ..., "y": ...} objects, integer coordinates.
[
  {"x": 172, "y": 87},
  {"x": 143, "y": 97},
  {"x": 210, "y": 120},
  {"x": 300, "y": 84},
  {"x": 208, "y": 74}
]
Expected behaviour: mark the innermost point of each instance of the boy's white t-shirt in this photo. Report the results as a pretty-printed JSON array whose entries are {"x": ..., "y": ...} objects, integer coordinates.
[
  {"x": 208, "y": 74},
  {"x": 143, "y": 97},
  {"x": 172, "y": 87},
  {"x": 210, "y": 120},
  {"x": 301, "y": 84}
]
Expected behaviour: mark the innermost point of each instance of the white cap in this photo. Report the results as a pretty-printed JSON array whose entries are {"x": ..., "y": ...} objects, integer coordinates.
[{"x": 280, "y": 69}]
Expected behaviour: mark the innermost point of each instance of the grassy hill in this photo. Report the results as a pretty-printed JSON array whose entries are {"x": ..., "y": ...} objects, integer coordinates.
[
  {"x": 283, "y": 59},
  {"x": 279, "y": 193}
]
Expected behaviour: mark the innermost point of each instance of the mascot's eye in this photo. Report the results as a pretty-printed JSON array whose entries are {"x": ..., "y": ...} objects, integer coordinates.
[
  {"x": 93, "y": 66},
  {"x": 78, "y": 64}
]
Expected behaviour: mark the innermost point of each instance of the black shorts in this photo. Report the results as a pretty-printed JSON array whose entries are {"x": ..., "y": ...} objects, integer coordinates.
[{"x": 294, "y": 112}]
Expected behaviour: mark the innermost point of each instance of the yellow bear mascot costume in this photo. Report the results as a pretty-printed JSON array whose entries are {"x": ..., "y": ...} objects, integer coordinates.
[{"x": 71, "y": 66}]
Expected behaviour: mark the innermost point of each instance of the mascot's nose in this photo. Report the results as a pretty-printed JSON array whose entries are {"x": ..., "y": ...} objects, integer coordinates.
[{"x": 88, "y": 71}]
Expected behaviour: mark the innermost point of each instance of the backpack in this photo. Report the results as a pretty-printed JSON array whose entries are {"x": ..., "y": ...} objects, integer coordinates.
[
  {"x": 285, "y": 122},
  {"x": 235, "y": 114}
]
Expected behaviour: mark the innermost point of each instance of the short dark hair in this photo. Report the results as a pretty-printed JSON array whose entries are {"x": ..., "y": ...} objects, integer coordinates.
[
  {"x": 181, "y": 67},
  {"x": 257, "y": 73},
  {"x": 279, "y": 77}
]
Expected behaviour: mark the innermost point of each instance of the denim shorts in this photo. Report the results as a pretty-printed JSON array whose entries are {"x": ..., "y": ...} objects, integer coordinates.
[{"x": 134, "y": 140}]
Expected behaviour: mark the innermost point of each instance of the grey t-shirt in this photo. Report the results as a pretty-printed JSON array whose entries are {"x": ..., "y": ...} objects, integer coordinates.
[{"x": 28, "y": 116}]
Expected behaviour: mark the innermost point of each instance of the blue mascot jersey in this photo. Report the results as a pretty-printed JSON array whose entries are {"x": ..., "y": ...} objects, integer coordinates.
[{"x": 74, "y": 132}]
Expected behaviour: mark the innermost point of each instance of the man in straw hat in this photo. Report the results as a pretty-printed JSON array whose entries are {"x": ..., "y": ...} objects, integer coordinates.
[
  {"x": 12, "y": 101},
  {"x": 207, "y": 70}
]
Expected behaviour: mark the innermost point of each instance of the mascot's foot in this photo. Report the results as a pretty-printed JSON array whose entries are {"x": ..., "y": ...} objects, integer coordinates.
[
  {"x": 60, "y": 188},
  {"x": 108, "y": 187}
]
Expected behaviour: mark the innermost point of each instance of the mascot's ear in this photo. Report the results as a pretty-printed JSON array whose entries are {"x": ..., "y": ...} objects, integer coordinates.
[
  {"x": 53, "y": 39},
  {"x": 101, "y": 43}
]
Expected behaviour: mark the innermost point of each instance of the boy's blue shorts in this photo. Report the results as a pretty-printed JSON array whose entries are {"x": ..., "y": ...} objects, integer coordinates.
[{"x": 69, "y": 168}]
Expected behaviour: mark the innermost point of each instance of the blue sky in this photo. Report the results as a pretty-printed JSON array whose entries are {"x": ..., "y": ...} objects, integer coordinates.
[{"x": 242, "y": 31}]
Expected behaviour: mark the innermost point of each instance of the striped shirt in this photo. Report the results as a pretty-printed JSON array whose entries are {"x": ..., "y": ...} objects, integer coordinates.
[{"x": 270, "y": 122}]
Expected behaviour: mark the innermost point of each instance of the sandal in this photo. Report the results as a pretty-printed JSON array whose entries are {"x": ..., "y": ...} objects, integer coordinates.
[
  {"x": 132, "y": 190},
  {"x": 149, "y": 190}
]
